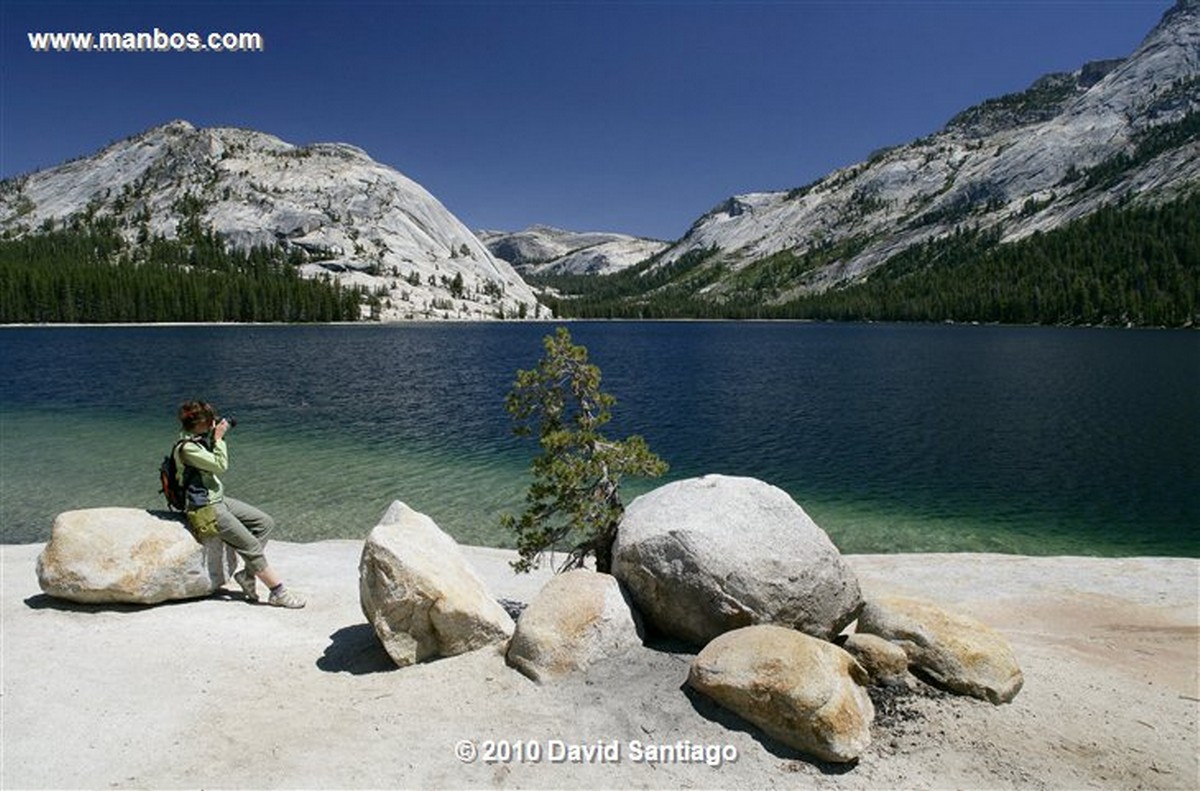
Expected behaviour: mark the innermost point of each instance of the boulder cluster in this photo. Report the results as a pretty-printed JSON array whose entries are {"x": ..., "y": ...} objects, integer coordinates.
[{"x": 732, "y": 566}]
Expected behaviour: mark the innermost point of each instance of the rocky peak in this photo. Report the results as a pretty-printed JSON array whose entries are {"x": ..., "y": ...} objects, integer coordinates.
[
  {"x": 1093, "y": 72},
  {"x": 1113, "y": 130},
  {"x": 543, "y": 249},
  {"x": 1168, "y": 57},
  {"x": 328, "y": 204},
  {"x": 1040, "y": 102}
]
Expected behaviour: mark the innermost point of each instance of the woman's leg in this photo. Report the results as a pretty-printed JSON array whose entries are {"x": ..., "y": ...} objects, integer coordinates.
[
  {"x": 258, "y": 522},
  {"x": 246, "y": 529},
  {"x": 237, "y": 534}
]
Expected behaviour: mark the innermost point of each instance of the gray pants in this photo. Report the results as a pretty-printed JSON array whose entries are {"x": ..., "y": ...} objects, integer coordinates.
[{"x": 245, "y": 528}]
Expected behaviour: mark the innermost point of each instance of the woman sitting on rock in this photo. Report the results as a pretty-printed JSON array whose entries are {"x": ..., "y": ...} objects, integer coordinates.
[{"x": 201, "y": 447}]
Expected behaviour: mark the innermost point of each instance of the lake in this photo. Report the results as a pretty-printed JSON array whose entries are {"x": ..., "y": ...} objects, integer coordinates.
[{"x": 895, "y": 438}]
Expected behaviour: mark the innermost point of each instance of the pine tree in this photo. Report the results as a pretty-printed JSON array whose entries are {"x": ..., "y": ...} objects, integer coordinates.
[{"x": 574, "y": 502}]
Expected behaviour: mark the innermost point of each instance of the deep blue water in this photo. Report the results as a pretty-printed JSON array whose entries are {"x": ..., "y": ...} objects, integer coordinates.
[{"x": 893, "y": 437}]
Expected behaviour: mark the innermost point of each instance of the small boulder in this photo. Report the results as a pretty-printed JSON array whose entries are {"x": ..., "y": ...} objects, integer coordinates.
[
  {"x": 805, "y": 692},
  {"x": 579, "y": 618},
  {"x": 420, "y": 593},
  {"x": 707, "y": 555},
  {"x": 954, "y": 651},
  {"x": 886, "y": 663},
  {"x": 129, "y": 556}
]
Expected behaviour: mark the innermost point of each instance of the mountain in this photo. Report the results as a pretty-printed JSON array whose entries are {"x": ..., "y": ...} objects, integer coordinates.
[
  {"x": 542, "y": 250},
  {"x": 328, "y": 207},
  {"x": 1119, "y": 133}
]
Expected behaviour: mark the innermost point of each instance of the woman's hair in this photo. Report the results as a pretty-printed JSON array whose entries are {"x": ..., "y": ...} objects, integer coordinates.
[{"x": 193, "y": 414}]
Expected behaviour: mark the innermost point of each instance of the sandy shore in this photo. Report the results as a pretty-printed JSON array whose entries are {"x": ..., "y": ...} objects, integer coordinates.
[{"x": 218, "y": 693}]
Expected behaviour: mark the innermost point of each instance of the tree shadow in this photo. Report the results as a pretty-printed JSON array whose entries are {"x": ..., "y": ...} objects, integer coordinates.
[{"x": 355, "y": 650}]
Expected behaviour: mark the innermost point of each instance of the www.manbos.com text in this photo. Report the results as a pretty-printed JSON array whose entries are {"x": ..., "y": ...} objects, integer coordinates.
[{"x": 147, "y": 41}]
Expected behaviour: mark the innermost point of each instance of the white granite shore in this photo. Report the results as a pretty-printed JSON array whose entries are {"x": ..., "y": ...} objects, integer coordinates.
[{"x": 218, "y": 693}]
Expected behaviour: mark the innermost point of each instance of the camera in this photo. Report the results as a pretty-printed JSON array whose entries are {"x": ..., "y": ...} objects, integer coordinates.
[{"x": 232, "y": 420}]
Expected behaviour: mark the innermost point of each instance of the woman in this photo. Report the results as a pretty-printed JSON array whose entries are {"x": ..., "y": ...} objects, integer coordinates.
[{"x": 201, "y": 446}]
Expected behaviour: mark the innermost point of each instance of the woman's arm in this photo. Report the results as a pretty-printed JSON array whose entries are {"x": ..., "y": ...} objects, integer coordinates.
[{"x": 216, "y": 461}]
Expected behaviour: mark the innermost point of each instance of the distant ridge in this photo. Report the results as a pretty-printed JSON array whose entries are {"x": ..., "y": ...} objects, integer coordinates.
[
  {"x": 328, "y": 207},
  {"x": 1121, "y": 133},
  {"x": 544, "y": 250}
]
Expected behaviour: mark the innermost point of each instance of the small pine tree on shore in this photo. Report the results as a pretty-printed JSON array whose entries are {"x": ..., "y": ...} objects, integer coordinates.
[{"x": 574, "y": 502}]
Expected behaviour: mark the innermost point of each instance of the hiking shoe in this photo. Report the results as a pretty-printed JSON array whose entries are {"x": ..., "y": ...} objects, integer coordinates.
[
  {"x": 285, "y": 598},
  {"x": 248, "y": 583}
]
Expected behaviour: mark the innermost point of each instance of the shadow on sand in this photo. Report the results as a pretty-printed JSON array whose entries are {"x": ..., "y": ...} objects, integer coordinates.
[
  {"x": 355, "y": 650},
  {"x": 44, "y": 601}
]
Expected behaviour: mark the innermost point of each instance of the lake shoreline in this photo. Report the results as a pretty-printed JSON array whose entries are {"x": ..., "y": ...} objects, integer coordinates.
[
  {"x": 571, "y": 320},
  {"x": 1065, "y": 557},
  {"x": 160, "y": 696},
  {"x": 1031, "y": 441}
]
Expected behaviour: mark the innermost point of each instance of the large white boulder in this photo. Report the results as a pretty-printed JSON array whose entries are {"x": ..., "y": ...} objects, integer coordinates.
[
  {"x": 420, "y": 593},
  {"x": 955, "y": 651},
  {"x": 706, "y": 555},
  {"x": 129, "y": 556},
  {"x": 805, "y": 692},
  {"x": 579, "y": 618}
]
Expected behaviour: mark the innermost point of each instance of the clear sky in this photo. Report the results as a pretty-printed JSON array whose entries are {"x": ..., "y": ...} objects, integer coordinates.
[{"x": 625, "y": 116}]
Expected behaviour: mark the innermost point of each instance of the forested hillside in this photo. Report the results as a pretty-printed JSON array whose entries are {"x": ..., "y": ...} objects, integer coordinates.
[
  {"x": 90, "y": 275},
  {"x": 912, "y": 231},
  {"x": 1119, "y": 266}
]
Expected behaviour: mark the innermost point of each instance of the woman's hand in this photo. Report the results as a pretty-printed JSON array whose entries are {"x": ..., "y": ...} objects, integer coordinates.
[{"x": 220, "y": 430}]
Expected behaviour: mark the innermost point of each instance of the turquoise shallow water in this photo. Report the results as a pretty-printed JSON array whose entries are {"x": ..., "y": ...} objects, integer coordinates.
[{"x": 894, "y": 438}]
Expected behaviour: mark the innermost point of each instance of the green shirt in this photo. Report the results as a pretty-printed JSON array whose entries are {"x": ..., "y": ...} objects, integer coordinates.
[{"x": 194, "y": 454}]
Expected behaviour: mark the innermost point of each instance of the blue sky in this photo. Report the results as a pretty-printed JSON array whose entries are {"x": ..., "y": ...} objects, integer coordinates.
[{"x": 625, "y": 116}]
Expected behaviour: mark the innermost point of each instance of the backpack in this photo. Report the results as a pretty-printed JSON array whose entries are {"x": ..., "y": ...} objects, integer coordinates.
[{"x": 182, "y": 492}]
